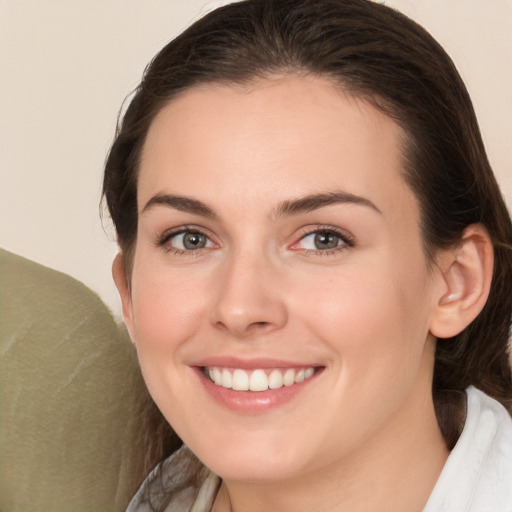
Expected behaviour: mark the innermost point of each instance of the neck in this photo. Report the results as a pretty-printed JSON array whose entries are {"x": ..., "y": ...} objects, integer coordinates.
[{"x": 394, "y": 471}]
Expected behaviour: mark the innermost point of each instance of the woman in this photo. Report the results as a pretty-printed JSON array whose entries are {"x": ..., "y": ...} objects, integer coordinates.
[{"x": 315, "y": 266}]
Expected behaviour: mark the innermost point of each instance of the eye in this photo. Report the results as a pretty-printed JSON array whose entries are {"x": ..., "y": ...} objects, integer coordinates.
[
  {"x": 186, "y": 240},
  {"x": 325, "y": 241},
  {"x": 321, "y": 240}
]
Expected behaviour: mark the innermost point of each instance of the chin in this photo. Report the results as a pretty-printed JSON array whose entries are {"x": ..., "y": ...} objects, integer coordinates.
[
  {"x": 259, "y": 461},
  {"x": 261, "y": 469}
]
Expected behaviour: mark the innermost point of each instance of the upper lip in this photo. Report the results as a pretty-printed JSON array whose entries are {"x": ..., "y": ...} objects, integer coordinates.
[{"x": 250, "y": 364}]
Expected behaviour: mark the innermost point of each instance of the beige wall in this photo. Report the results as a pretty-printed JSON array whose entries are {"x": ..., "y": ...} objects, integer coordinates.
[{"x": 66, "y": 65}]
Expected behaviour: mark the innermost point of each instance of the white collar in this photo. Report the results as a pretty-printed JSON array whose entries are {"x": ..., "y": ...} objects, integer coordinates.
[{"x": 477, "y": 476}]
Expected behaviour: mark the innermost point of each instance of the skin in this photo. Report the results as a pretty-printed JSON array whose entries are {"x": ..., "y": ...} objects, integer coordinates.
[{"x": 365, "y": 312}]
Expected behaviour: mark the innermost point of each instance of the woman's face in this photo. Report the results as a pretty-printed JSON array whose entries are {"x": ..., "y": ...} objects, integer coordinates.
[{"x": 278, "y": 242}]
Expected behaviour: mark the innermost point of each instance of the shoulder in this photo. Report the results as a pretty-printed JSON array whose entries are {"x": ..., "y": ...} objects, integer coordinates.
[{"x": 478, "y": 473}]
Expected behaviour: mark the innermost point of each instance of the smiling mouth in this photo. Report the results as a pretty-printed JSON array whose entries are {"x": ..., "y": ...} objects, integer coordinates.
[{"x": 238, "y": 379}]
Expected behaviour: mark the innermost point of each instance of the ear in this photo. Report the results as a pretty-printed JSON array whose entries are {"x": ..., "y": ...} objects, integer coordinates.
[
  {"x": 123, "y": 287},
  {"x": 467, "y": 272}
]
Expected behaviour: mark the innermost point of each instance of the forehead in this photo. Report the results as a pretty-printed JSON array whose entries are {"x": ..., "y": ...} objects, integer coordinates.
[{"x": 286, "y": 135}]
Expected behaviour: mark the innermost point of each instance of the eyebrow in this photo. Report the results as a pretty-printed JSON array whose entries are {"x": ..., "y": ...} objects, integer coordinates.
[
  {"x": 313, "y": 202},
  {"x": 285, "y": 209},
  {"x": 181, "y": 203}
]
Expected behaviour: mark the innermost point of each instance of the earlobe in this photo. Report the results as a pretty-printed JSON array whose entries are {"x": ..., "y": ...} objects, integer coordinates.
[
  {"x": 123, "y": 287},
  {"x": 467, "y": 273}
]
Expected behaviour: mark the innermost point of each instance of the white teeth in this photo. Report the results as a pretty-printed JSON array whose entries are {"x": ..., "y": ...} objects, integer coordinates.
[
  {"x": 289, "y": 377},
  {"x": 240, "y": 381},
  {"x": 275, "y": 380},
  {"x": 217, "y": 377},
  {"x": 258, "y": 380},
  {"x": 227, "y": 379}
]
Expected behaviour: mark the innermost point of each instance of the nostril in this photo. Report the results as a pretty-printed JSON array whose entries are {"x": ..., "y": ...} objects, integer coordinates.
[
  {"x": 248, "y": 315},
  {"x": 258, "y": 325},
  {"x": 246, "y": 330}
]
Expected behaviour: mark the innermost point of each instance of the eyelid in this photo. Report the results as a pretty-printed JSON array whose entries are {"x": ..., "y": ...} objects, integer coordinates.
[
  {"x": 346, "y": 238},
  {"x": 168, "y": 234}
]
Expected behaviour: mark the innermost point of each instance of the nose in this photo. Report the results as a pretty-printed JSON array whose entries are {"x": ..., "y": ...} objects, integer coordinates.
[{"x": 250, "y": 298}]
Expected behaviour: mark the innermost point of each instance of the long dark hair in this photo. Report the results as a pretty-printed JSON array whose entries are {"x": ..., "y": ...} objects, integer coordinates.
[{"x": 377, "y": 54}]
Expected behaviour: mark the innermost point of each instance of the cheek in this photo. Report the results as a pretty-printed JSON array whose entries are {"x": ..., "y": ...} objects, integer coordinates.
[
  {"x": 371, "y": 314},
  {"x": 167, "y": 309}
]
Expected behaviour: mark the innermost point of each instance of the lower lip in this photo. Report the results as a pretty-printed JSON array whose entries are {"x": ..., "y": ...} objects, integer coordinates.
[{"x": 254, "y": 402}]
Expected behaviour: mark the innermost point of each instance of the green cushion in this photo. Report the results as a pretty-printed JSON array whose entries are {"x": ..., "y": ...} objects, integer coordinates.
[{"x": 71, "y": 397}]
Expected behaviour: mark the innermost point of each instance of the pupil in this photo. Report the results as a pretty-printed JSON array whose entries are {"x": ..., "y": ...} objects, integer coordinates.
[
  {"x": 326, "y": 241},
  {"x": 194, "y": 241}
]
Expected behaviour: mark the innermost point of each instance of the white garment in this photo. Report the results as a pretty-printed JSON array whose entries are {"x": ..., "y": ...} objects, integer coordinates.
[{"x": 477, "y": 476}]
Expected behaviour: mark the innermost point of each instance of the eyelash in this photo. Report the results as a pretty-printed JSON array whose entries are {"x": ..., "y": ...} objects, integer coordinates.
[
  {"x": 346, "y": 241},
  {"x": 163, "y": 241}
]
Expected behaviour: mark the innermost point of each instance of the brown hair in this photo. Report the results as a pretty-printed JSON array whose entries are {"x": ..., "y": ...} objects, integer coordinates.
[{"x": 377, "y": 54}]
